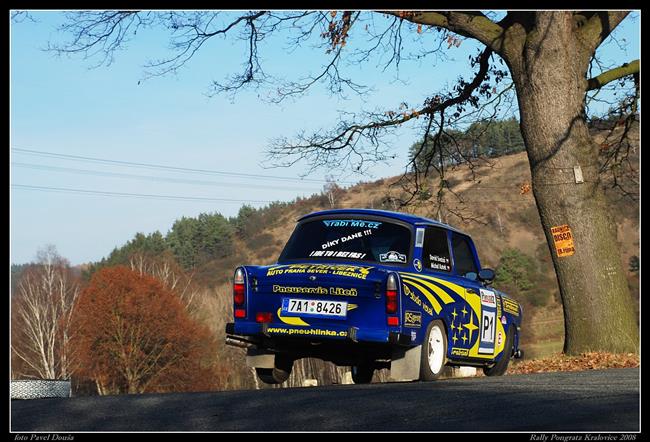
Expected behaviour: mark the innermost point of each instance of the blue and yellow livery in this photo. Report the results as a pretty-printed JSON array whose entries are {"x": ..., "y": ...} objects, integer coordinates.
[{"x": 373, "y": 289}]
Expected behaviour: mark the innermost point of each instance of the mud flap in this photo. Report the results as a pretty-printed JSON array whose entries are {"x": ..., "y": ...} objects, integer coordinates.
[
  {"x": 260, "y": 358},
  {"x": 405, "y": 364}
]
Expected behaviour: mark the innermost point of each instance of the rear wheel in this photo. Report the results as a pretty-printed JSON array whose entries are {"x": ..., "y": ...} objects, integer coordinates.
[
  {"x": 434, "y": 352},
  {"x": 501, "y": 366},
  {"x": 277, "y": 374},
  {"x": 362, "y": 374}
]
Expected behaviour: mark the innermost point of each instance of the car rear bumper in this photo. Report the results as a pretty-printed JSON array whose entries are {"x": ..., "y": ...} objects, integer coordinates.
[
  {"x": 256, "y": 332},
  {"x": 340, "y": 350},
  {"x": 354, "y": 334}
]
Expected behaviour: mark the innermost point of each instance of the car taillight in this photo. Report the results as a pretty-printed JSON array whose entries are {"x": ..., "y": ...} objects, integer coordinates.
[
  {"x": 391, "y": 294},
  {"x": 239, "y": 287},
  {"x": 263, "y": 317}
]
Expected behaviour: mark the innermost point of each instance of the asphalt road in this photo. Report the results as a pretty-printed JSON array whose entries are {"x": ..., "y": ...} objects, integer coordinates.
[{"x": 599, "y": 401}]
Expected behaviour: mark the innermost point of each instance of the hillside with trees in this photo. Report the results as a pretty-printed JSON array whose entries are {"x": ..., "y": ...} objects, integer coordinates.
[{"x": 182, "y": 277}]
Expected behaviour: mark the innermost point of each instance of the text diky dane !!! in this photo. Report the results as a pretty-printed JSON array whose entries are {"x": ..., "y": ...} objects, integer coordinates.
[{"x": 346, "y": 238}]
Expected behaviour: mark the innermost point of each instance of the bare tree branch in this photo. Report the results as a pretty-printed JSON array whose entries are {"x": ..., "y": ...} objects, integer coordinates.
[
  {"x": 348, "y": 134},
  {"x": 631, "y": 68},
  {"x": 468, "y": 24}
]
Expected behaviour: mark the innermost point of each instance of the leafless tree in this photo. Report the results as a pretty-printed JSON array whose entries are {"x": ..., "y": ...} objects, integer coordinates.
[
  {"x": 169, "y": 273},
  {"x": 332, "y": 190},
  {"x": 42, "y": 307}
]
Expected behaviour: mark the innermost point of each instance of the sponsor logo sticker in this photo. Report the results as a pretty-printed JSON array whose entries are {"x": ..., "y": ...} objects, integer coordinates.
[
  {"x": 325, "y": 269},
  {"x": 510, "y": 306},
  {"x": 504, "y": 320},
  {"x": 459, "y": 351},
  {"x": 488, "y": 298},
  {"x": 392, "y": 256},
  {"x": 417, "y": 264},
  {"x": 413, "y": 319}
]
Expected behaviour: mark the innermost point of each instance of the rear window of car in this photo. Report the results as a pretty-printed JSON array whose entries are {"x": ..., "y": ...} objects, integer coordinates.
[{"x": 351, "y": 239}]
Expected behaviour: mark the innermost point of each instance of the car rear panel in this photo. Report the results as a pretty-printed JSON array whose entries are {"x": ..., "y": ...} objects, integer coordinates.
[{"x": 361, "y": 287}]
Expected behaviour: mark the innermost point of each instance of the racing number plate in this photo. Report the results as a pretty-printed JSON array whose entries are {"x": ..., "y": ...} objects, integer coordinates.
[{"x": 314, "y": 308}]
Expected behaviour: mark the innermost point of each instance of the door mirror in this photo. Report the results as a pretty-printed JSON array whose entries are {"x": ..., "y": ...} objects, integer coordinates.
[{"x": 486, "y": 276}]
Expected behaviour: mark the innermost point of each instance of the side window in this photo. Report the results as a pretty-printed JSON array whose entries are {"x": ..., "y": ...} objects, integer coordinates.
[
  {"x": 435, "y": 251},
  {"x": 463, "y": 257}
]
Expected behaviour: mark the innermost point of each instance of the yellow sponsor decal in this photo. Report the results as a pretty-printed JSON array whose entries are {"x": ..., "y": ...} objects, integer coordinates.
[
  {"x": 336, "y": 291},
  {"x": 434, "y": 303},
  {"x": 306, "y": 332},
  {"x": 510, "y": 306},
  {"x": 415, "y": 298},
  {"x": 498, "y": 310},
  {"x": 563, "y": 239},
  {"x": 450, "y": 285},
  {"x": 291, "y": 320},
  {"x": 459, "y": 351},
  {"x": 437, "y": 290},
  {"x": 325, "y": 269}
]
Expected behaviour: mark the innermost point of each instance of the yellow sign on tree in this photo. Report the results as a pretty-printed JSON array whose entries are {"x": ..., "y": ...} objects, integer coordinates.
[{"x": 563, "y": 240}]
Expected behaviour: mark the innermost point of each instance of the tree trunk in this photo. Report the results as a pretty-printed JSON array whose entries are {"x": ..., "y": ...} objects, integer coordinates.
[{"x": 549, "y": 75}]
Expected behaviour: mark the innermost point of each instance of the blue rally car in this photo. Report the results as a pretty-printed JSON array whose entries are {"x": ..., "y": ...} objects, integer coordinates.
[{"x": 374, "y": 289}]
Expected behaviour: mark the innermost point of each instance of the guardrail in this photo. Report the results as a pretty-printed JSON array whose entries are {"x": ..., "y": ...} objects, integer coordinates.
[{"x": 40, "y": 388}]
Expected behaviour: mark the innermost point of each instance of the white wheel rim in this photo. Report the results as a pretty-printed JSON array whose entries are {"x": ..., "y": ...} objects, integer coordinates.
[{"x": 436, "y": 350}]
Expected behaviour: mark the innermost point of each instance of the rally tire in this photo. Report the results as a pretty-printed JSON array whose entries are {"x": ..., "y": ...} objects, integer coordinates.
[
  {"x": 501, "y": 366},
  {"x": 277, "y": 374},
  {"x": 434, "y": 352},
  {"x": 362, "y": 374}
]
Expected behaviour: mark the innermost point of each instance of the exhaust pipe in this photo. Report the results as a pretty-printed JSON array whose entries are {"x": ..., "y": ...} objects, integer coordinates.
[{"x": 236, "y": 341}]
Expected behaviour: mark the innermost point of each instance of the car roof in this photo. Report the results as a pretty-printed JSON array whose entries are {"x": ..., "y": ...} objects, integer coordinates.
[{"x": 406, "y": 217}]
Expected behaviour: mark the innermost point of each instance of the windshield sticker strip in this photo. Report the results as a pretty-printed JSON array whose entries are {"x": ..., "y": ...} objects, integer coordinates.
[
  {"x": 351, "y": 223},
  {"x": 335, "y": 254}
]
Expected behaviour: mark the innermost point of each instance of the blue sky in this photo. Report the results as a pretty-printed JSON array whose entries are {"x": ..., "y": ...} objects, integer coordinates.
[{"x": 60, "y": 105}]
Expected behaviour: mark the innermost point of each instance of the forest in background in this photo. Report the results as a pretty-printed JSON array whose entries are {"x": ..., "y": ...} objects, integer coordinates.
[{"x": 184, "y": 276}]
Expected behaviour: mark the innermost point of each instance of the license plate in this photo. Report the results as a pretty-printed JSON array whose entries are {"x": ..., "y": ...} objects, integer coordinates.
[{"x": 314, "y": 308}]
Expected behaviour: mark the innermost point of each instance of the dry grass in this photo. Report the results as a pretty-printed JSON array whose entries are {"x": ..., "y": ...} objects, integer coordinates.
[{"x": 584, "y": 361}]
